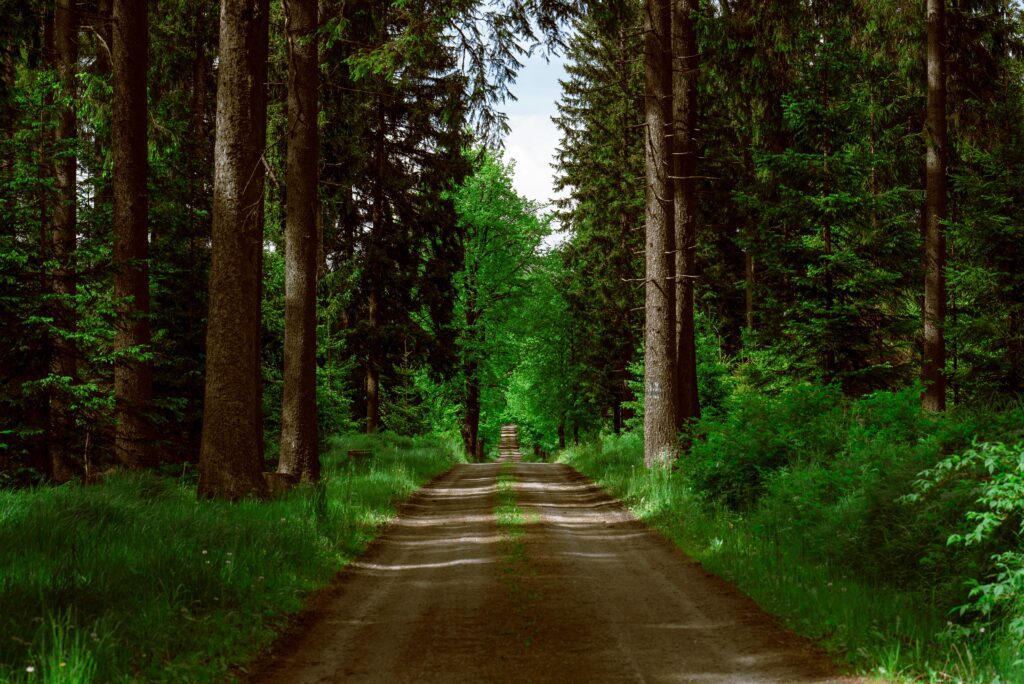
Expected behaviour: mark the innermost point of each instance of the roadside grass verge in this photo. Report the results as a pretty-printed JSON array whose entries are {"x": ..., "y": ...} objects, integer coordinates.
[
  {"x": 134, "y": 580},
  {"x": 891, "y": 633}
]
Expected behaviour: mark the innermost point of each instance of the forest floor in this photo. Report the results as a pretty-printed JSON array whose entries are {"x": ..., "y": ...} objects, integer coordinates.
[{"x": 528, "y": 572}]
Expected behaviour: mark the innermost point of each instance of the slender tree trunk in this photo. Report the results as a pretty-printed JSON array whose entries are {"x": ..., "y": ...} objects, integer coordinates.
[
  {"x": 471, "y": 412},
  {"x": 133, "y": 378},
  {"x": 103, "y": 67},
  {"x": 197, "y": 236},
  {"x": 375, "y": 267},
  {"x": 471, "y": 407},
  {"x": 749, "y": 261},
  {"x": 231, "y": 453},
  {"x": 65, "y": 235},
  {"x": 750, "y": 267},
  {"x": 561, "y": 433},
  {"x": 934, "y": 362},
  {"x": 659, "y": 329},
  {"x": 43, "y": 150},
  {"x": 299, "y": 456},
  {"x": 372, "y": 372},
  {"x": 617, "y": 411},
  {"x": 685, "y": 66}
]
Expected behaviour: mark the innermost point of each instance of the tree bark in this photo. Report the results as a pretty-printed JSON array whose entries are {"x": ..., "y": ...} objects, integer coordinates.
[
  {"x": 133, "y": 378},
  {"x": 471, "y": 411},
  {"x": 373, "y": 309},
  {"x": 471, "y": 407},
  {"x": 64, "y": 361},
  {"x": 933, "y": 367},
  {"x": 231, "y": 452},
  {"x": 685, "y": 66},
  {"x": 299, "y": 444},
  {"x": 372, "y": 371},
  {"x": 103, "y": 67},
  {"x": 659, "y": 328}
]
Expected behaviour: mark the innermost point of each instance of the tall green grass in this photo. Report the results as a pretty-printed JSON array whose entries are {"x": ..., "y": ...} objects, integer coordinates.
[
  {"x": 133, "y": 579},
  {"x": 894, "y": 632}
]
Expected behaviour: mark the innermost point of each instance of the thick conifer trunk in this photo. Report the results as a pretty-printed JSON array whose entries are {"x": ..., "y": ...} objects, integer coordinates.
[
  {"x": 934, "y": 362},
  {"x": 685, "y": 67},
  {"x": 659, "y": 327},
  {"x": 64, "y": 360},
  {"x": 133, "y": 378},
  {"x": 231, "y": 453},
  {"x": 299, "y": 456}
]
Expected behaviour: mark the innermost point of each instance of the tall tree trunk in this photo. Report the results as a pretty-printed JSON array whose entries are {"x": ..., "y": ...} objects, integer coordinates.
[
  {"x": 44, "y": 145},
  {"x": 103, "y": 67},
  {"x": 199, "y": 170},
  {"x": 934, "y": 362},
  {"x": 751, "y": 271},
  {"x": 65, "y": 232},
  {"x": 471, "y": 406},
  {"x": 372, "y": 372},
  {"x": 375, "y": 268},
  {"x": 685, "y": 66},
  {"x": 659, "y": 328},
  {"x": 231, "y": 452},
  {"x": 133, "y": 378},
  {"x": 471, "y": 411},
  {"x": 299, "y": 456}
]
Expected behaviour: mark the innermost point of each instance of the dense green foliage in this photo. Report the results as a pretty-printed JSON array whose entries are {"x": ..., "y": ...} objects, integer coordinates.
[
  {"x": 835, "y": 540},
  {"x": 133, "y": 579},
  {"x": 812, "y": 467}
]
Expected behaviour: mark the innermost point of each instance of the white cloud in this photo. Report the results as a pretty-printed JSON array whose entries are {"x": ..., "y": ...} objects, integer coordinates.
[{"x": 531, "y": 144}]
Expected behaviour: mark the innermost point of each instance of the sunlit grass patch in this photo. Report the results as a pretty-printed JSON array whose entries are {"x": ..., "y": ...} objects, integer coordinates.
[{"x": 133, "y": 579}]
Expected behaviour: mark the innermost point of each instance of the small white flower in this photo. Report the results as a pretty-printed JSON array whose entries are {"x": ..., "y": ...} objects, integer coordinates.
[
  {"x": 204, "y": 552},
  {"x": 982, "y": 630},
  {"x": 30, "y": 669}
]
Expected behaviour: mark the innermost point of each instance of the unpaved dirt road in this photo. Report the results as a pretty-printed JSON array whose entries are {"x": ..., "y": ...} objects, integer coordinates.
[{"x": 574, "y": 589}]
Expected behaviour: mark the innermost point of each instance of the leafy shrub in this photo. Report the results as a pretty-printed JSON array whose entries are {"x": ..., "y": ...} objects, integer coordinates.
[
  {"x": 757, "y": 436},
  {"x": 994, "y": 473}
]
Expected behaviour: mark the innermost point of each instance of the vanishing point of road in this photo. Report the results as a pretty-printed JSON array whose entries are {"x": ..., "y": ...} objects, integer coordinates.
[{"x": 582, "y": 592}]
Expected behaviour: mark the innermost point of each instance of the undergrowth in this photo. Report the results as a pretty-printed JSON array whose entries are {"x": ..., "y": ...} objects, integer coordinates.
[
  {"x": 133, "y": 579},
  {"x": 839, "y": 517}
]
